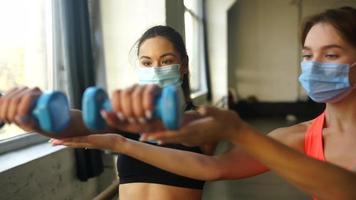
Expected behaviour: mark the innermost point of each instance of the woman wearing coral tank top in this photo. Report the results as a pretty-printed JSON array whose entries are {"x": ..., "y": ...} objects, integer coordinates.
[{"x": 329, "y": 141}]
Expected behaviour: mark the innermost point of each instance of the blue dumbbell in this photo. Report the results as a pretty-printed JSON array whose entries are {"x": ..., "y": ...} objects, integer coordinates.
[
  {"x": 169, "y": 107},
  {"x": 51, "y": 112}
]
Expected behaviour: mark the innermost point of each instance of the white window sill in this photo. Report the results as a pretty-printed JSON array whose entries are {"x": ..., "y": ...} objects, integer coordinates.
[{"x": 18, "y": 157}]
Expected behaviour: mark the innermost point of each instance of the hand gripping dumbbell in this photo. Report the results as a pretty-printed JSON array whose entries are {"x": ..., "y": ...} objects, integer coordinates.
[
  {"x": 168, "y": 107},
  {"x": 51, "y": 112}
]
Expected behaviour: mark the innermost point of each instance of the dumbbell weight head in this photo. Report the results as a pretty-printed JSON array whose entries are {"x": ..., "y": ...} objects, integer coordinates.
[
  {"x": 169, "y": 106},
  {"x": 94, "y": 100},
  {"x": 51, "y": 111}
]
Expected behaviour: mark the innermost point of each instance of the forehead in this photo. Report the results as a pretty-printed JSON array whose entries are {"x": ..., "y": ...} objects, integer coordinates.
[
  {"x": 323, "y": 34},
  {"x": 156, "y": 45}
]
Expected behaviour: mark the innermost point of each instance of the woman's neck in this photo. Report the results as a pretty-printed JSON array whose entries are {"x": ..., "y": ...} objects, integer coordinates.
[{"x": 341, "y": 115}]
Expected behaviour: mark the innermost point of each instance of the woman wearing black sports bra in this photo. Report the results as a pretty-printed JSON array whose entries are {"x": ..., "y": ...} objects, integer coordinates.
[{"x": 163, "y": 60}]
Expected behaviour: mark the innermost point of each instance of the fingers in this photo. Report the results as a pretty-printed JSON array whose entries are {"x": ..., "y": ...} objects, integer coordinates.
[
  {"x": 13, "y": 104},
  {"x": 148, "y": 99},
  {"x": 95, "y": 141},
  {"x": 136, "y": 103},
  {"x": 17, "y": 102},
  {"x": 23, "y": 115},
  {"x": 208, "y": 111},
  {"x": 190, "y": 116},
  {"x": 4, "y": 104},
  {"x": 75, "y": 142},
  {"x": 111, "y": 118},
  {"x": 72, "y": 142},
  {"x": 194, "y": 133},
  {"x": 165, "y": 136},
  {"x": 116, "y": 104},
  {"x": 126, "y": 103}
]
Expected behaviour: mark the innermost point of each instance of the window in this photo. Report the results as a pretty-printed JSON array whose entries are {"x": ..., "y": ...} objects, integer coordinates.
[
  {"x": 194, "y": 36},
  {"x": 25, "y": 50}
]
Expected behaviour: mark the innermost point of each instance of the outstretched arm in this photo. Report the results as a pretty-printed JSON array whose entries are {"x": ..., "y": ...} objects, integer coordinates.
[
  {"x": 321, "y": 179},
  {"x": 232, "y": 164},
  {"x": 15, "y": 107}
]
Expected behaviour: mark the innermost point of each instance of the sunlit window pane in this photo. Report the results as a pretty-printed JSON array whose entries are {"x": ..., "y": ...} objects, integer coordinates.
[
  {"x": 192, "y": 51},
  {"x": 189, "y": 4},
  {"x": 25, "y": 56}
]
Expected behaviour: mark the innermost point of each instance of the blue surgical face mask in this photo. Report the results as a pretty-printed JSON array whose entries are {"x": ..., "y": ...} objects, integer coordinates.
[
  {"x": 161, "y": 76},
  {"x": 325, "y": 82}
]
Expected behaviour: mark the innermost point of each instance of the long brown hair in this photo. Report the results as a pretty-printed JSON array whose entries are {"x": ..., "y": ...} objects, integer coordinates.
[{"x": 342, "y": 19}]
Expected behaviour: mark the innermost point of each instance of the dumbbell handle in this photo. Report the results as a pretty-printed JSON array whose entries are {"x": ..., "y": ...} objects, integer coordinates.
[{"x": 168, "y": 107}]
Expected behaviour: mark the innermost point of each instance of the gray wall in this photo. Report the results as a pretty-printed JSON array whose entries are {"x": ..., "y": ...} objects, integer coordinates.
[
  {"x": 175, "y": 15},
  {"x": 52, "y": 177},
  {"x": 264, "y": 46}
]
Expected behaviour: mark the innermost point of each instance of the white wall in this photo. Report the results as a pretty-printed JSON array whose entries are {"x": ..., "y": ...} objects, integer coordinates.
[
  {"x": 217, "y": 26},
  {"x": 264, "y": 46},
  {"x": 123, "y": 22},
  {"x": 264, "y": 49}
]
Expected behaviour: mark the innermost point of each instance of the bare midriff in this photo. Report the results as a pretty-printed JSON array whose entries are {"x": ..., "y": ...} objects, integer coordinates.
[{"x": 151, "y": 191}]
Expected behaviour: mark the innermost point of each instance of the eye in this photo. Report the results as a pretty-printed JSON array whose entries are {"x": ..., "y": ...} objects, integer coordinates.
[
  {"x": 332, "y": 56},
  {"x": 146, "y": 63},
  {"x": 307, "y": 56},
  {"x": 166, "y": 62}
]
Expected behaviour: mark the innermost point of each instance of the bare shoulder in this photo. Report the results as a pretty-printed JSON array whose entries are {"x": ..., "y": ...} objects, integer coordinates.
[{"x": 292, "y": 136}]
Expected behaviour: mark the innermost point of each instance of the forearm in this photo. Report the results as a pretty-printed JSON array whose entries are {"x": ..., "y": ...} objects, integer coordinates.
[
  {"x": 320, "y": 179},
  {"x": 76, "y": 127},
  {"x": 184, "y": 163}
]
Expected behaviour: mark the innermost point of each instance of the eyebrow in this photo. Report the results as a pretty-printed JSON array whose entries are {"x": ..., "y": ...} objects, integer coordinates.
[
  {"x": 168, "y": 54},
  {"x": 163, "y": 55},
  {"x": 325, "y": 47},
  {"x": 147, "y": 57}
]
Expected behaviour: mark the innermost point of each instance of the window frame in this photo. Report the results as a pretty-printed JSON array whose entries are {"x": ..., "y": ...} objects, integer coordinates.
[{"x": 201, "y": 94}]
